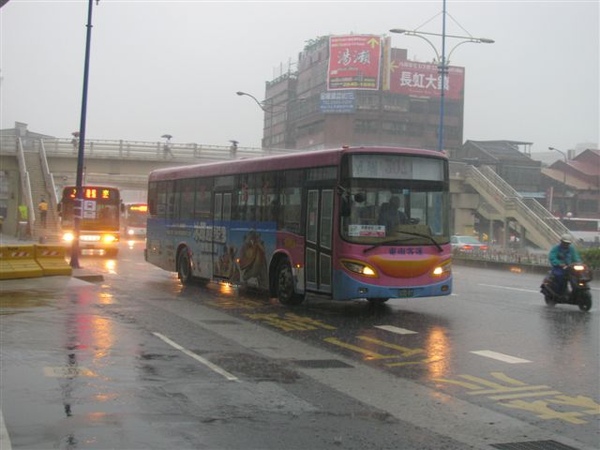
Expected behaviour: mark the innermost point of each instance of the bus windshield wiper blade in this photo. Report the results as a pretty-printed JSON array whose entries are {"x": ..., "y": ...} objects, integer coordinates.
[
  {"x": 391, "y": 241},
  {"x": 399, "y": 241}
]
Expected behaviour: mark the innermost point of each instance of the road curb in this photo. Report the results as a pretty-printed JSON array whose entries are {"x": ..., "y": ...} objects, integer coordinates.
[
  {"x": 88, "y": 275},
  {"x": 510, "y": 266}
]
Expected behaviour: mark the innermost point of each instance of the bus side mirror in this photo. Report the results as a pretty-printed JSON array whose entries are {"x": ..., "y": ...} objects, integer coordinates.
[{"x": 360, "y": 197}]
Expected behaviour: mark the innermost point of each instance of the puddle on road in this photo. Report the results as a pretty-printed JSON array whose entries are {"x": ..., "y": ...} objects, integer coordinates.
[{"x": 14, "y": 302}]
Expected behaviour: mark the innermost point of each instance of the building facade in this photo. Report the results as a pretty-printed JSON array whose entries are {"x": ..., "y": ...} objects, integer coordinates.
[{"x": 358, "y": 90}]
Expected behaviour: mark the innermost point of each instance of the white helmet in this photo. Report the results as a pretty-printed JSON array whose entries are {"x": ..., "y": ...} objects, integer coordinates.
[{"x": 566, "y": 238}]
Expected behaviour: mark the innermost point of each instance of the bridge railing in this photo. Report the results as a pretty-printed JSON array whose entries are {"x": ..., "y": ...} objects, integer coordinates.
[{"x": 152, "y": 150}]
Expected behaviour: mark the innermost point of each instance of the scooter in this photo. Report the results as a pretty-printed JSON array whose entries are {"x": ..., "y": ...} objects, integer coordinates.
[{"x": 577, "y": 291}]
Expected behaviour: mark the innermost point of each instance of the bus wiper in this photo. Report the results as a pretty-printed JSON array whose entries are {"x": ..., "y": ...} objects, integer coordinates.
[{"x": 399, "y": 241}]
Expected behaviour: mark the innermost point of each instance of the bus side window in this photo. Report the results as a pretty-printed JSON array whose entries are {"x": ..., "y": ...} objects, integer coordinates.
[
  {"x": 202, "y": 208},
  {"x": 152, "y": 199},
  {"x": 290, "y": 198}
]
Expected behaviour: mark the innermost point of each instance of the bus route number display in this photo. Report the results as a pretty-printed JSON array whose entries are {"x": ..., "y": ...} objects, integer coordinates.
[
  {"x": 394, "y": 166},
  {"x": 92, "y": 193}
]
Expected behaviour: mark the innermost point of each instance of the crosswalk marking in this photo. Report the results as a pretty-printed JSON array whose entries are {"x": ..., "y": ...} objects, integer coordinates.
[
  {"x": 393, "y": 329},
  {"x": 500, "y": 357}
]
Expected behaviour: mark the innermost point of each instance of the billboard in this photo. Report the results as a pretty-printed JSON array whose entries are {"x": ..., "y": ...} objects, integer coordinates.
[
  {"x": 354, "y": 62},
  {"x": 423, "y": 80},
  {"x": 338, "y": 102}
]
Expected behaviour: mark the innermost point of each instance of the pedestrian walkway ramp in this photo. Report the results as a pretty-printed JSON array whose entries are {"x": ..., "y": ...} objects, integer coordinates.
[{"x": 542, "y": 228}]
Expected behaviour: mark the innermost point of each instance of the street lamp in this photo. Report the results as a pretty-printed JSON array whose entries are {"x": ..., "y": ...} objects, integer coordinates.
[
  {"x": 266, "y": 109},
  {"x": 442, "y": 61},
  {"x": 564, "y": 174}
]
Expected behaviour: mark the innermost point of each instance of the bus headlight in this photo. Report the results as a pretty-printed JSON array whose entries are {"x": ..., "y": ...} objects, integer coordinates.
[
  {"x": 108, "y": 238},
  {"x": 68, "y": 237},
  {"x": 359, "y": 268},
  {"x": 442, "y": 270}
]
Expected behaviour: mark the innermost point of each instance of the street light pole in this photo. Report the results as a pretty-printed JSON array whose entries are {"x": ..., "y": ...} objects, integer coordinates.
[
  {"x": 269, "y": 111},
  {"x": 443, "y": 62},
  {"x": 77, "y": 215},
  {"x": 442, "y": 70}
]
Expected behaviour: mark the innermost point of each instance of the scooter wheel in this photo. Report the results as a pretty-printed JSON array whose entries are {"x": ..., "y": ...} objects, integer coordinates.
[
  {"x": 585, "y": 301},
  {"x": 549, "y": 301}
]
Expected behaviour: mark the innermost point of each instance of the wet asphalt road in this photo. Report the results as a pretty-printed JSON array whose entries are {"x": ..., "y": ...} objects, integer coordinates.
[{"x": 138, "y": 361}]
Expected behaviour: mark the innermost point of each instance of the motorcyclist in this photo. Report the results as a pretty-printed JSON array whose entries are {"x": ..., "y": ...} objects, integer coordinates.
[{"x": 561, "y": 256}]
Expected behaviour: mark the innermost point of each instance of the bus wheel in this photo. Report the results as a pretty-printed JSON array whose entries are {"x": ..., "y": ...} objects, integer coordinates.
[
  {"x": 285, "y": 285},
  {"x": 184, "y": 267}
]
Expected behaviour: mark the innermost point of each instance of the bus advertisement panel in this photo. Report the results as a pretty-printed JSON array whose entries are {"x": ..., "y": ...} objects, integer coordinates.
[
  {"x": 365, "y": 222},
  {"x": 99, "y": 227},
  {"x": 135, "y": 216}
]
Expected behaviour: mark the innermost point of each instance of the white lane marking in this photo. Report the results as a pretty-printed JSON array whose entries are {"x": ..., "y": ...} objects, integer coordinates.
[
  {"x": 5, "y": 443},
  {"x": 522, "y": 290},
  {"x": 508, "y": 288},
  {"x": 500, "y": 357},
  {"x": 199, "y": 358},
  {"x": 394, "y": 329}
]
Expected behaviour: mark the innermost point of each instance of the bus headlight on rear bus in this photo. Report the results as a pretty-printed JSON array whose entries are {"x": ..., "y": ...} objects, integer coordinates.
[
  {"x": 108, "y": 238},
  {"x": 68, "y": 237},
  {"x": 359, "y": 268}
]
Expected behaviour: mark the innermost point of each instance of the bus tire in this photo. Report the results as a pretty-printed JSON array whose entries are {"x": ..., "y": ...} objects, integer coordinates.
[
  {"x": 184, "y": 266},
  {"x": 284, "y": 285}
]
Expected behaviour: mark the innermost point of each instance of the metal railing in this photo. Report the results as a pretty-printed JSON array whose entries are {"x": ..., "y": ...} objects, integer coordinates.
[
  {"x": 48, "y": 178},
  {"x": 527, "y": 206},
  {"x": 486, "y": 180},
  {"x": 25, "y": 185},
  {"x": 153, "y": 150}
]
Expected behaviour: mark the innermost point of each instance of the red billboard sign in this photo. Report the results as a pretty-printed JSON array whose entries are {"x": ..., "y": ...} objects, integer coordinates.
[
  {"x": 424, "y": 80},
  {"x": 354, "y": 62}
]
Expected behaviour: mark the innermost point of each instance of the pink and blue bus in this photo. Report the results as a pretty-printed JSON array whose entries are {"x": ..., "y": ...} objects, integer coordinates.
[{"x": 308, "y": 223}]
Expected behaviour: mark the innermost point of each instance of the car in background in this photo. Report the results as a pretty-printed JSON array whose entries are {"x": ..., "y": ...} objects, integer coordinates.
[{"x": 467, "y": 244}]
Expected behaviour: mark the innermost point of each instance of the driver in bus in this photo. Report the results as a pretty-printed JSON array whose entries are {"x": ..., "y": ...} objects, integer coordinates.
[{"x": 391, "y": 216}]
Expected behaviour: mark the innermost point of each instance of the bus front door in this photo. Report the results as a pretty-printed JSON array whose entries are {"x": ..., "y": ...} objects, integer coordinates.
[
  {"x": 319, "y": 229},
  {"x": 224, "y": 266}
]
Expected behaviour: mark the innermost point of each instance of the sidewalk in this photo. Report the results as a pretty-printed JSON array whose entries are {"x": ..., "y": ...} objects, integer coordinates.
[{"x": 7, "y": 239}]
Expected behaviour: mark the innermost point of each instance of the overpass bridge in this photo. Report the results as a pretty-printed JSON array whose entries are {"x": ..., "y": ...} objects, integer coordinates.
[{"x": 46, "y": 165}]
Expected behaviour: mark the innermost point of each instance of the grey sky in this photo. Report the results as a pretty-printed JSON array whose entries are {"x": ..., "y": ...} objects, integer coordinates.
[{"x": 174, "y": 66}]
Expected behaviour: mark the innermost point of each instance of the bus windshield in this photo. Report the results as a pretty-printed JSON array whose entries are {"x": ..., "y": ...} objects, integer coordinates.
[
  {"x": 136, "y": 214},
  {"x": 392, "y": 198}
]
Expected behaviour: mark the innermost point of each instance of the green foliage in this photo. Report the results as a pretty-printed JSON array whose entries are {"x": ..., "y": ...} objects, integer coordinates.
[{"x": 591, "y": 257}]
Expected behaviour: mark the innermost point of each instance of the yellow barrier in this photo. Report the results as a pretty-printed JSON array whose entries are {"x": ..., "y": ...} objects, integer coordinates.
[
  {"x": 18, "y": 262},
  {"x": 52, "y": 260}
]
